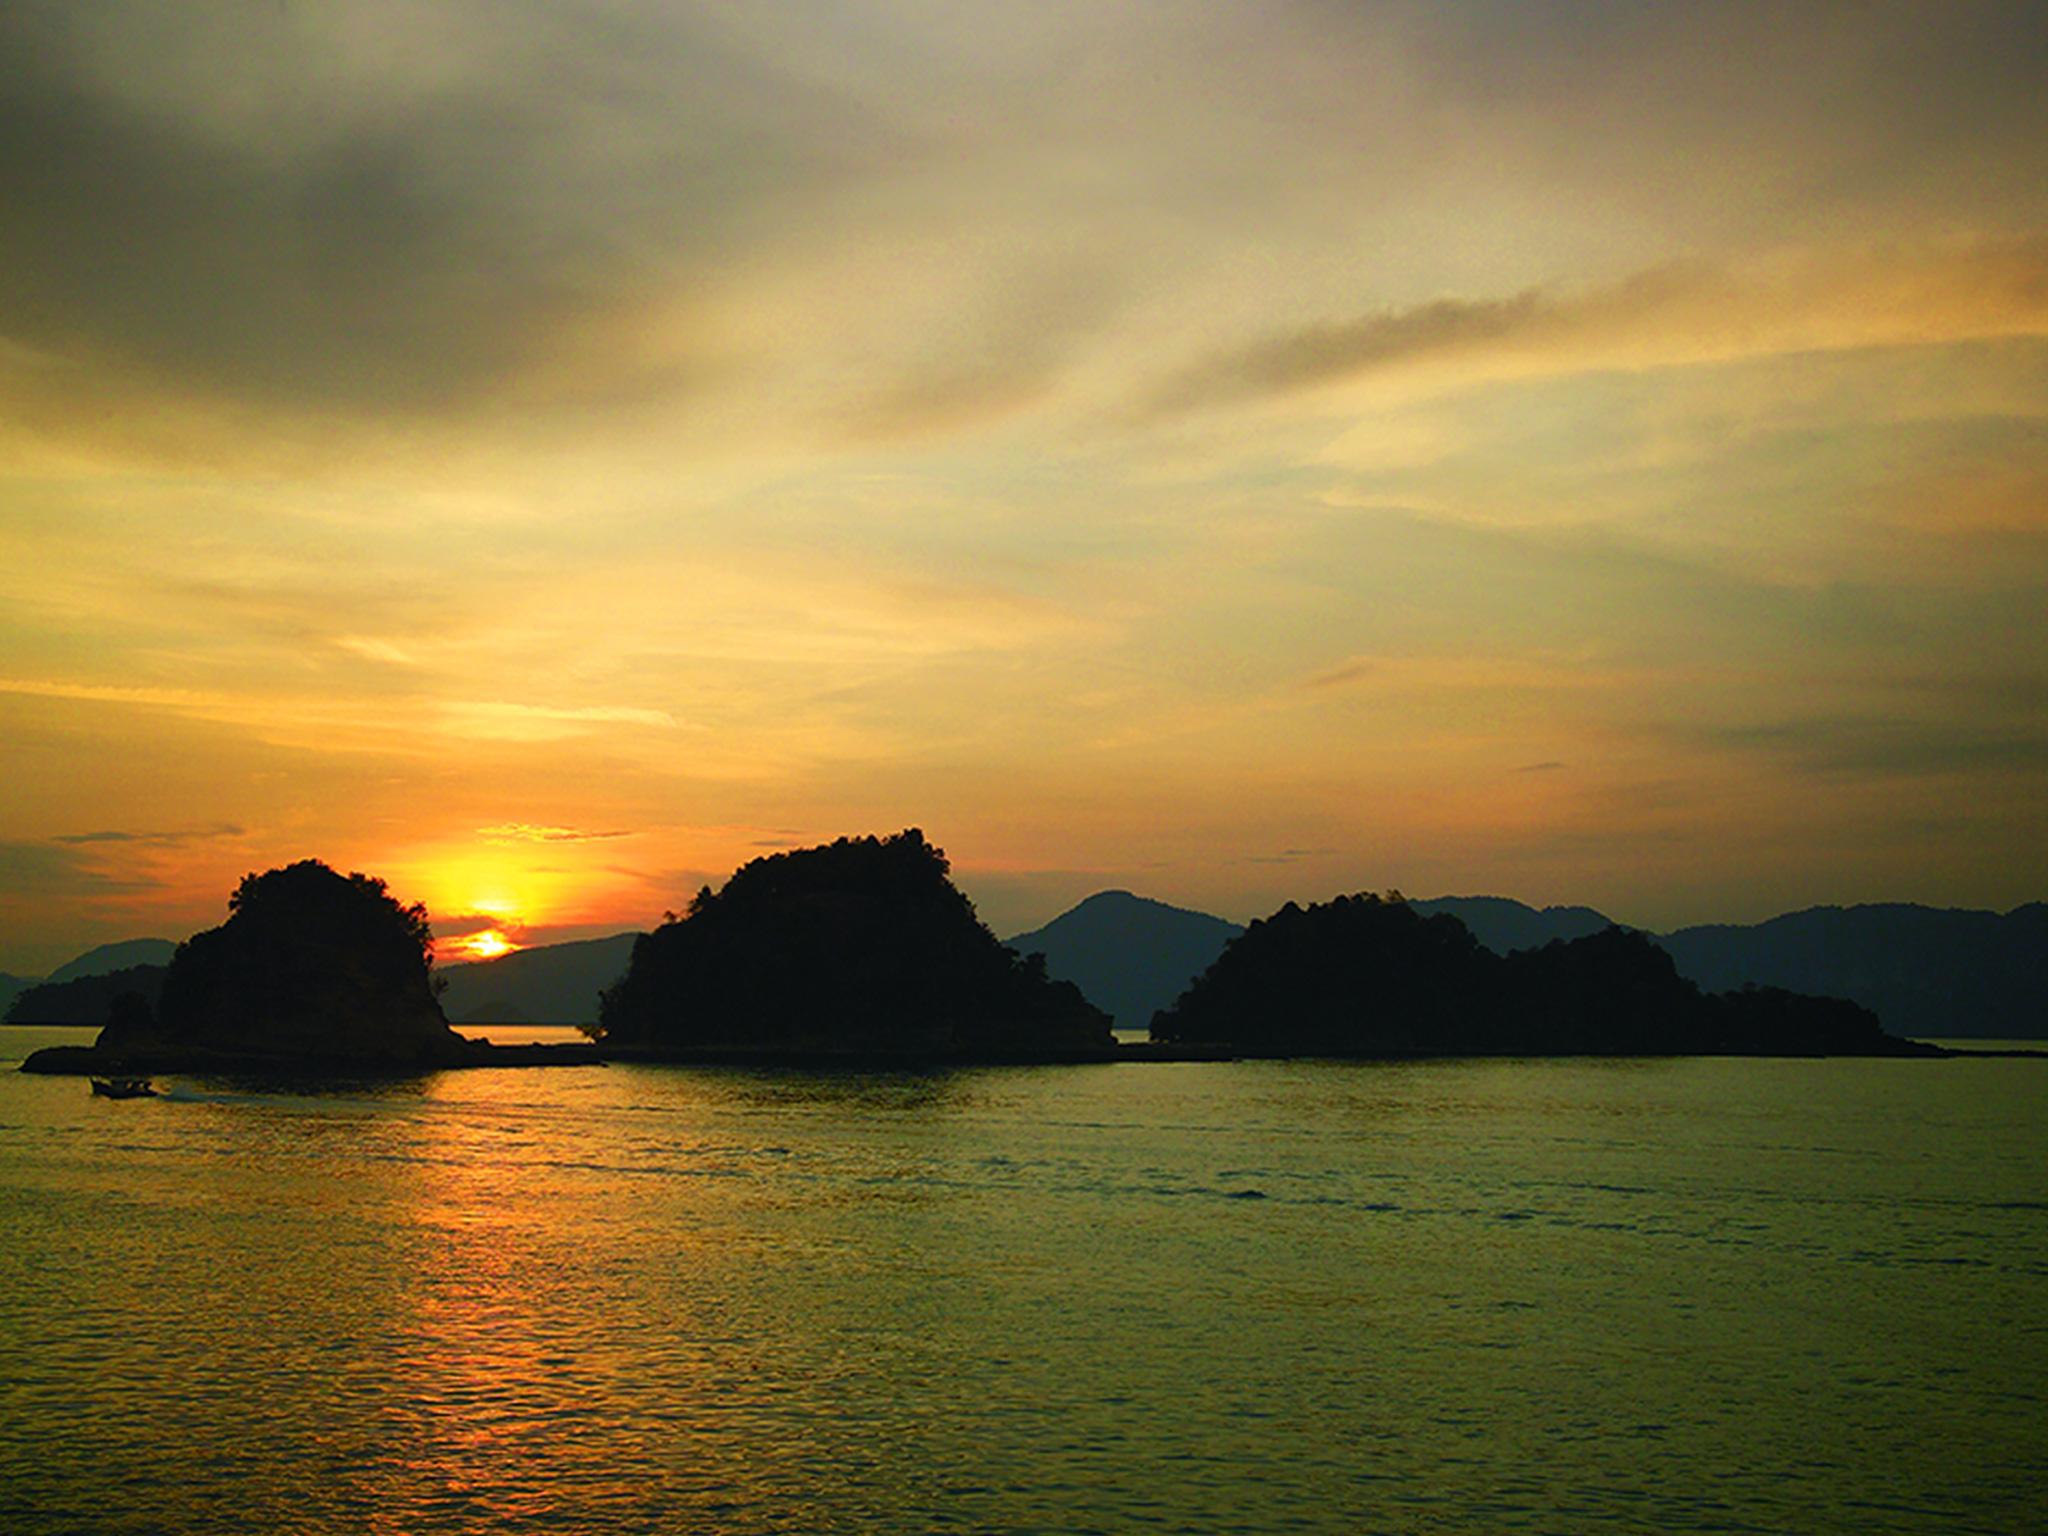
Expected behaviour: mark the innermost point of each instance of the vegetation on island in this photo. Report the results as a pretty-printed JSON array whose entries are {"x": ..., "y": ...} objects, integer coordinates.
[
  {"x": 864, "y": 948},
  {"x": 860, "y": 947},
  {"x": 1370, "y": 976},
  {"x": 309, "y": 964},
  {"x": 85, "y": 999}
]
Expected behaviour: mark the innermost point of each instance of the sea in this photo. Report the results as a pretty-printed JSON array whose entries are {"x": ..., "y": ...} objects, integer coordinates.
[{"x": 1572, "y": 1296}]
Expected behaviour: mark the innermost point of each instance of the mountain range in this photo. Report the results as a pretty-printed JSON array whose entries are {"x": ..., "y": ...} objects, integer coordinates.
[
  {"x": 126, "y": 954},
  {"x": 548, "y": 984},
  {"x": 115, "y": 957},
  {"x": 1924, "y": 971},
  {"x": 1921, "y": 970},
  {"x": 1129, "y": 955}
]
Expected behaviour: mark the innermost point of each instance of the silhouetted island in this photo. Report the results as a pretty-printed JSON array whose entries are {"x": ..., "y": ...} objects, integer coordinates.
[
  {"x": 861, "y": 948},
  {"x": 312, "y": 969},
  {"x": 85, "y": 999},
  {"x": 1362, "y": 976}
]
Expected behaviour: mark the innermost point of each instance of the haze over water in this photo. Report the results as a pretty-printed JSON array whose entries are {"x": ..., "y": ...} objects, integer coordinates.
[{"x": 1671, "y": 1295}]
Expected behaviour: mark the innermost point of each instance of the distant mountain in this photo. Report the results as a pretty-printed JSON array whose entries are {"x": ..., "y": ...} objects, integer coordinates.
[
  {"x": 548, "y": 984},
  {"x": 115, "y": 957},
  {"x": 1129, "y": 954},
  {"x": 1922, "y": 970},
  {"x": 84, "y": 999},
  {"x": 1505, "y": 926},
  {"x": 496, "y": 1010},
  {"x": 11, "y": 987}
]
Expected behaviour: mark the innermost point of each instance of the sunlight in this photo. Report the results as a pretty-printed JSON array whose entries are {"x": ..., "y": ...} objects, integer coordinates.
[{"x": 487, "y": 945}]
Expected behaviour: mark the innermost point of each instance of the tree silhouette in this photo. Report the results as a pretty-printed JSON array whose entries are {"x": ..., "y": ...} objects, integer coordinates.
[
  {"x": 1367, "y": 976},
  {"x": 309, "y": 962},
  {"x": 84, "y": 999},
  {"x": 862, "y": 945}
]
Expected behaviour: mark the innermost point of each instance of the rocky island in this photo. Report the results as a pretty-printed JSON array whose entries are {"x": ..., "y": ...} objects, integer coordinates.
[
  {"x": 862, "y": 948},
  {"x": 313, "y": 970},
  {"x": 1365, "y": 976}
]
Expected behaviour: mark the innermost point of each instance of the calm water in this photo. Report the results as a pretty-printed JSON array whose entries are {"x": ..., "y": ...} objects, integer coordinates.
[{"x": 1536, "y": 1296}]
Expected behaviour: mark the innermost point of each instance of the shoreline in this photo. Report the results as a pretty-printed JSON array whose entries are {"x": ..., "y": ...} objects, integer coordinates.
[{"x": 89, "y": 1061}]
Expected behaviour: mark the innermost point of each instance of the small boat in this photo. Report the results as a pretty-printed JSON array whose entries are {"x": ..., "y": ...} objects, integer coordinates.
[{"x": 123, "y": 1088}]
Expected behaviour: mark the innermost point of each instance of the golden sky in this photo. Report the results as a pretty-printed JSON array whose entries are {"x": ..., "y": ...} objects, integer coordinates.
[{"x": 546, "y": 454}]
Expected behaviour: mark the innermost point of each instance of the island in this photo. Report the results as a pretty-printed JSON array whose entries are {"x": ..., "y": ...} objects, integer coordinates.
[
  {"x": 1370, "y": 976},
  {"x": 863, "y": 951},
  {"x": 858, "y": 949},
  {"x": 312, "y": 971},
  {"x": 85, "y": 999}
]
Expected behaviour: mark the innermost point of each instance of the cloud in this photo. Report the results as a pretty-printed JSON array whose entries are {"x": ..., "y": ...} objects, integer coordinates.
[
  {"x": 502, "y": 720},
  {"x": 991, "y": 344},
  {"x": 226, "y": 829},
  {"x": 1678, "y": 313},
  {"x": 526, "y": 832},
  {"x": 1355, "y": 670},
  {"x": 381, "y": 206},
  {"x": 1526, "y": 671},
  {"x": 457, "y": 925},
  {"x": 112, "y": 693},
  {"x": 1892, "y": 748},
  {"x": 41, "y": 869}
]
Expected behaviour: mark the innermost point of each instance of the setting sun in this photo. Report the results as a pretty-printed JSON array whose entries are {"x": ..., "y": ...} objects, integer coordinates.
[
  {"x": 487, "y": 945},
  {"x": 713, "y": 717}
]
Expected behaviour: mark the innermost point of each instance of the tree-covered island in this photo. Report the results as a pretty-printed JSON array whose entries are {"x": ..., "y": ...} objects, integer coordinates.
[
  {"x": 1370, "y": 977},
  {"x": 862, "y": 947},
  {"x": 864, "y": 950},
  {"x": 312, "y": 968}
]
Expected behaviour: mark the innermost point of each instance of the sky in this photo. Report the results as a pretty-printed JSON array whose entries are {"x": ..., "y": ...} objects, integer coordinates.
[{"x": 546, "y": 454}]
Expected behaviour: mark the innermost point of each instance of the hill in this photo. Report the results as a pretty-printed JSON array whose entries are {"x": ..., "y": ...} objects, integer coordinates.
[
  {"x": 1504, "y": 925},
  {"x": 84, "y": 999},
  {"x": 11, "y": 987},
  {"x": 1133, "y": 956},
  {"x": 1128, "y": 954},
  {"x": 1362, "y": 976},
  {"x": 863, "y": 947},
  {"x": 115, "y": 957},
  {"x": 547, "y": 984},
  {"x": 1923, "y": 970}
]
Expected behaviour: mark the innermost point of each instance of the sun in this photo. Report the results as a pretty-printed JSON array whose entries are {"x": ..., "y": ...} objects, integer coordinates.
[{"x": 487, "y": 945}]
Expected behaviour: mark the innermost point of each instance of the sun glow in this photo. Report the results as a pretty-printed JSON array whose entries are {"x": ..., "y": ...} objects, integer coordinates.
[{"x": 487, "y": 945}]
